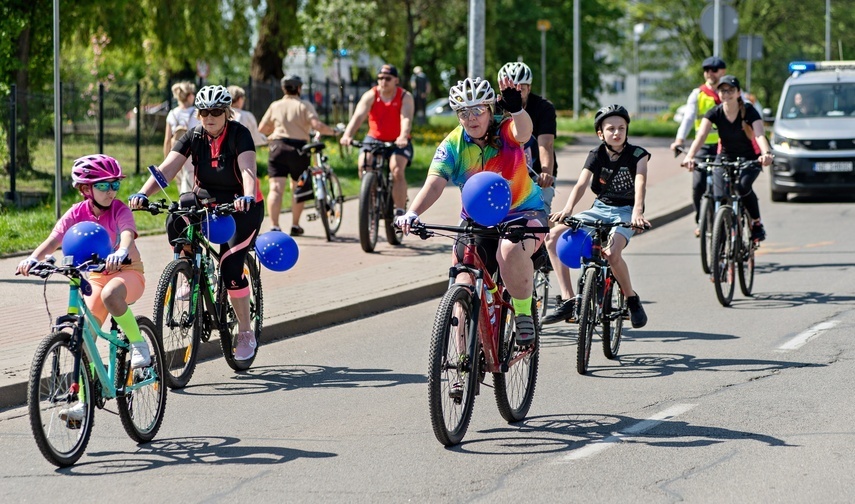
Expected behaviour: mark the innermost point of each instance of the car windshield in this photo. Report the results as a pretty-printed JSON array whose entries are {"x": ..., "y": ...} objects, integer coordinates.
[{"x": 820, "y": 100}]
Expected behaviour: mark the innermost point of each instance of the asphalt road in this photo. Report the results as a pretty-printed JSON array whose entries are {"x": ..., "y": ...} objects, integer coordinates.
[{"x": 705, "y": 404}]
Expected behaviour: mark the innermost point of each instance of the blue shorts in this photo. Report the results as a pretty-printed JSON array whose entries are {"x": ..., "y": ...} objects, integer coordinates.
[{"x": 608, "y": 213}]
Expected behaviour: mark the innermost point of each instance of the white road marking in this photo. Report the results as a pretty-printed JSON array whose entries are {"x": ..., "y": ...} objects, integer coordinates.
[
  {"x": 597, "y": 446},
  {"x": 802, "y": 338}
]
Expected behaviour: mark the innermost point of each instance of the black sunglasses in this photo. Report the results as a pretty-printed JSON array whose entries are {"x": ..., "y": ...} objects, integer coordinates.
[{"x": 217, "y": 112}]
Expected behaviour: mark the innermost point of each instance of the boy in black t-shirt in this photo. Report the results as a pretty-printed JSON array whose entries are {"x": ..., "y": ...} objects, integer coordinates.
[{"x": 617, "y": 173}]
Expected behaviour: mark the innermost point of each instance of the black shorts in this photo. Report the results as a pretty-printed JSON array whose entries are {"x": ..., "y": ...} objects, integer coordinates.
[{"x": 286, "y": 159}]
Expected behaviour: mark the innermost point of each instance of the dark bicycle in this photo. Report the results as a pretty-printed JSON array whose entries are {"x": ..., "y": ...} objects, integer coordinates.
[
  {"x": 602, "y": 303},
  {"x": 706, "y": 215},
  {"x": 474, "y": 333},
  {"x": 329, "y": 200},
  {"x": 733, "y": 248},
  {"x": 375, "y": 196},
  {"x": 191, "y": 299}
]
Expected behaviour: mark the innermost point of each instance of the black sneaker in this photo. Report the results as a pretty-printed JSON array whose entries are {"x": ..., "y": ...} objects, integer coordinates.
[
  {"x": 297, "y": 231},
  {"x": 564, "y": 310},
  {"x": 758, "y": 232},
  {"x": 636, "y": 312},
  {"x": 525, "y": 330}
]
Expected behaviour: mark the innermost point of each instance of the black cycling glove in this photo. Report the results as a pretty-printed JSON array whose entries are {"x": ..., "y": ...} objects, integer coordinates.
[{"x": 511, "y": 100}]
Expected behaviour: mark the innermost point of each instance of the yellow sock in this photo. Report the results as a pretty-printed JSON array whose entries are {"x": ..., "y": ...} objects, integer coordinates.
[
  {"x": 129, "y": 326},
  {"x": 522, "y": 306}
]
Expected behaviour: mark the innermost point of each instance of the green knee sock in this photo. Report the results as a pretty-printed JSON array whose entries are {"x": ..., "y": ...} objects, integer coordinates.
[
  {"x": 522, "y": 306},
  {"x": 130, "y": 327}
]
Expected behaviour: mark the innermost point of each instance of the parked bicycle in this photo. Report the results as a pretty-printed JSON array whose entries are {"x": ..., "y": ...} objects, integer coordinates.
[
  {"x": 732, "y": 246},
  {"x": 68, "y": 372},
  {"x": 375, "y": 196},
  {"x": 460, "y": 360},
  {"x": 706, "y": 215},
  {"x": 329, "y": 200},
  {"x": 191, "y": 299},
  {"x": 602, "y": 304}
]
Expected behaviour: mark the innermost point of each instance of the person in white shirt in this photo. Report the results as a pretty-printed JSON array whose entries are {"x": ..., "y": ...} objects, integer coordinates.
[{"x": 245, "y": 117}]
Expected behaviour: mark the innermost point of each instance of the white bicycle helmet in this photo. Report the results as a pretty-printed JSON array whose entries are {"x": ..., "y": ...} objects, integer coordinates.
[
  {"x": 471, "y": 93},
  {"x": 517, "y": 71},
  {"x": 213, "y": 97}
]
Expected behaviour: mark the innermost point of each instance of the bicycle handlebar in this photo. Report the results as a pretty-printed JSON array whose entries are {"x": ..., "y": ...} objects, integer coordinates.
[
  {"x": 374, "y": 146},
  {"x": 575, "y": 223},
  {"x": 157, "y": 207},
  {"x": 48, "y": 267},
  {"x": 510, "y": 231}
]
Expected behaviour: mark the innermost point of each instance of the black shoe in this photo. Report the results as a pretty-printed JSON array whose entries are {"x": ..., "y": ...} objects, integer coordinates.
[
  {"x": 564, "y": 310},
  {"x": 758, "y": 232},
  {"x": 525, "y": 330},
  {"x": 636, "y": 312},
  {"x": 297, "y": 231}
]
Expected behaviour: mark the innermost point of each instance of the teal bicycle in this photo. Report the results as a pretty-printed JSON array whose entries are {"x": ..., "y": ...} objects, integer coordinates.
[{"x": 68, "y": 371}]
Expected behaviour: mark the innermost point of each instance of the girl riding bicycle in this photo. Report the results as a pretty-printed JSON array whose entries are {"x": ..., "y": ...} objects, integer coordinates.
[
  {"x": 483, "y": 142},
  {"x": 223, "y": 153},
  {"x": 97, "y": 177},
  {"x": 741, "y": 135},
  {"x": 617, "y": 173}
]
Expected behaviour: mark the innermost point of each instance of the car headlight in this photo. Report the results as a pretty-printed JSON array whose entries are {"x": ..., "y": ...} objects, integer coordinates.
[{"x": 783, "y": 143}]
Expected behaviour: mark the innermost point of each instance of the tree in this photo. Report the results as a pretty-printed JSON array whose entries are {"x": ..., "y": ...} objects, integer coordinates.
[{"x": 278, "y": 30}]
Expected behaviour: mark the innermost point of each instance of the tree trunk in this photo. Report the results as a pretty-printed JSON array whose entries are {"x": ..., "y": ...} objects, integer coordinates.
[
  {"x": 22, "y": 81},
  {"x": 277, "y": 31}
]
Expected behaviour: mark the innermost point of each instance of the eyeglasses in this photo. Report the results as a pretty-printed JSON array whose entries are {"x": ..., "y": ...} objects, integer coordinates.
[
  {"x": 727, "y": 90},
  {"x": 107, "y": 186},
  {"x": 385, "y": 78},
  {"x": 710, "y": 69},
  {"x": 217, "y": 112},
  {"x": 472, "y": 111}
]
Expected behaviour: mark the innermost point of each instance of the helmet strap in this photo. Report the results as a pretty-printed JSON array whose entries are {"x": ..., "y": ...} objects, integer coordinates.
[
  {"x": 613, "y": 151},
  {"x": 97, "y": 205}
]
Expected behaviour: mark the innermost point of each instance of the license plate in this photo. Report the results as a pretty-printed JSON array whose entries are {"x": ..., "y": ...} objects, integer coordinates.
[{"x": 837, "y": 166}]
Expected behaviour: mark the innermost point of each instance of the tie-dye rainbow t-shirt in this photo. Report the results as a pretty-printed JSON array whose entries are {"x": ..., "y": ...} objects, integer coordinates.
[{"x": 457, "y": 158}]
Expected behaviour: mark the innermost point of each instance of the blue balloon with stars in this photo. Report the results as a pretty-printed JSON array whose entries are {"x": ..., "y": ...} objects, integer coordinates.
[
  {"x": 84, "y": 239},
  {"x": 573, "y": 246},
  {"x": 218, "y": 228},
  {"x": 487, "y": 198},
  {"x": 276, "y": 251}
]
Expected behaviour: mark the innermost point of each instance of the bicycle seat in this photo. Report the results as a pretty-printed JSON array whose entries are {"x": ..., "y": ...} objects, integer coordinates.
[{"x": 316, "y": 146}]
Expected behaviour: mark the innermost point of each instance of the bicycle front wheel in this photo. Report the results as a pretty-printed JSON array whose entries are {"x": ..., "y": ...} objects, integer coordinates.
[
  {"x": 143, "y": 404},
  {"x": 541, "y": 294},
  {"x": 746, "y": 255},
  {"x": 614, "y": 311},
  {"x": 394, "y": 236},
  {"x": 179, "y": 321},
  {"x": 705, "y": 226},
  {"x": 452, "y": 372},
  {"x": 321, "y": 205},
  {"x": 335, "y": 202},
  {"x": 723, "y": 259},
  {"x": 514, "y": 389},
  {"x": 587, "y": 321},
  {"x": 369, "y": 211},
  {"x": 256, "y": 315},
  {"x": 51, "y": 393}
]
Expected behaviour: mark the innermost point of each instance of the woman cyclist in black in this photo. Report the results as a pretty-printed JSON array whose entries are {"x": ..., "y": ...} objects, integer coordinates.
[{"x": 223, "y": 154}]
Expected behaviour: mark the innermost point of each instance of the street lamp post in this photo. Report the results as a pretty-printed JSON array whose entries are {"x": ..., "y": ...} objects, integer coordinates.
[{"x": 637, "y": 30}]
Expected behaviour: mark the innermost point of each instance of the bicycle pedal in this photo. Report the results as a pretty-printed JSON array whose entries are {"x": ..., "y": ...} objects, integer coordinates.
[{"x": 311, "y": 217}]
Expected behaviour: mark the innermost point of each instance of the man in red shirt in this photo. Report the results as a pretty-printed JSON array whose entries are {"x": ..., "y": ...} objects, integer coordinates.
[{"x": 389, "y": 109}]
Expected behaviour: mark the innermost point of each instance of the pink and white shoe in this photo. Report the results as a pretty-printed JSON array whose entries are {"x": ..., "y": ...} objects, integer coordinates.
[{"x": 245, "y": 348}]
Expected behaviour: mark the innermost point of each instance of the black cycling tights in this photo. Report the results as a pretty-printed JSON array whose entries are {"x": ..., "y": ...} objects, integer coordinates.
[
  {"x": 234, "y": 252},
  {"x": 743, "y": 187}
]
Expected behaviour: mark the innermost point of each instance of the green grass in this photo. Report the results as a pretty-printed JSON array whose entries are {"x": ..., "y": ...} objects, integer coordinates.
[{"x": 637, "y": 127}]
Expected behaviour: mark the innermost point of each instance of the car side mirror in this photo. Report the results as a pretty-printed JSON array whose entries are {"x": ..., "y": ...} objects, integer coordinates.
[{"x": 768, "y": 116}]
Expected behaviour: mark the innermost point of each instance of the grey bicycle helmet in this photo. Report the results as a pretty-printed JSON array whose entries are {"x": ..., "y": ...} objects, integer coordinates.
[
  {"x": 517, "y": 71},
  {"x": 608, "y": 111},
  {"x": 471, "y": 93},
  {"x": 213, "y": 97},
  {"x": 291, "y": 80}
]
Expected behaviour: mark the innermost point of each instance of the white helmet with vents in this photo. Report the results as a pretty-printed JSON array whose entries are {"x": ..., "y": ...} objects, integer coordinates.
[
  {"x": 517, "y": 71},
  {"x": 471, "y": 93},
  {"x": 213, "y": 97}
]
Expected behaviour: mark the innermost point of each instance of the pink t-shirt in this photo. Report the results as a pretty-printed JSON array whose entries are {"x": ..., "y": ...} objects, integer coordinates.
[{"x": 115, "y": 220}]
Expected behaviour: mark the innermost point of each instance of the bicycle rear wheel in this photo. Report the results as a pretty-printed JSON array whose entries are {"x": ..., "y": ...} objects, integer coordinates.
[
  {"x": 705, "y": 225},
  {"x": 321, "y": 205},
  {"x": 746, "y": 255},
  {"x": 541, "y": 294},
  {"x": 179, "y": 322},
  {"x": 452, "y": 372},
  {"x": 50, "y": 390},
  {"x": 335, "y": 202},
  {"x": 141, "y": 410},
  {"x": 256, "y": 316},
  {"x": 723, "y": 256},
  {"x": 369, "y": 211},
  {"x": 587, "y": 321},
  {"x": 614, "y": 311},
  {"x": 514, "y": 389}
]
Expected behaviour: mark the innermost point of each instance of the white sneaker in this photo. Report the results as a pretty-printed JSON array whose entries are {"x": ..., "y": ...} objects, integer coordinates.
[
  {"x": 75, "y": 413},
  {"x": 140, "y": 355},
  {"x": 245, "y": 348}
]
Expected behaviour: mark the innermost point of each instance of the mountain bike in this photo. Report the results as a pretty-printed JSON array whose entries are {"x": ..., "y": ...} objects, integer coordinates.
[
  {"x": 191, "y": 299},
  {"x": 732, "y": 246},
  {"x": 375, "y": 196},
  {"x": 474, "y": 333},
  {"x": 542, "y": 268},
  {"x": 68, "y": 371},
  {"x": 706, "y": 215},
  {"x": 602, "y": 303},
  {"x": 329, "y": 200}
]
